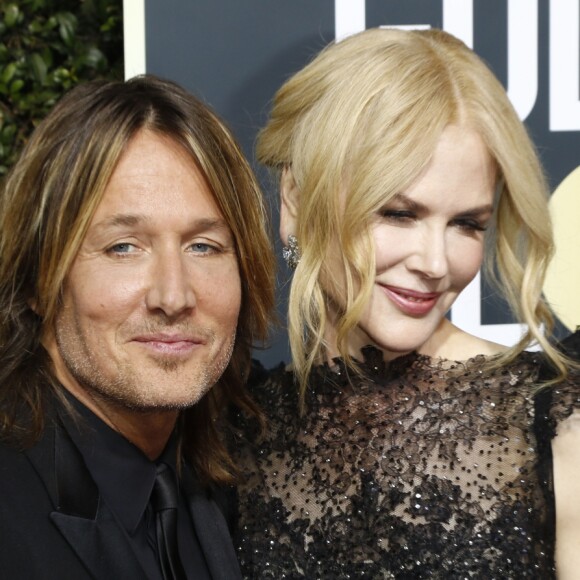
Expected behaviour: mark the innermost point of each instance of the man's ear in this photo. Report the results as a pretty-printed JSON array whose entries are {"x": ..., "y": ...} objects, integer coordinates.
[{"x": 289, "y": 199}]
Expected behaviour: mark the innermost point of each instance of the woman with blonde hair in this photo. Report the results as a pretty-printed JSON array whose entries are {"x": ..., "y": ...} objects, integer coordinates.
[{"x": 398, "y": 445}]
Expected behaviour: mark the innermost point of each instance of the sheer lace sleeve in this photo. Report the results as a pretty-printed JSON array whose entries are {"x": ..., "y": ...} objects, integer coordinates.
[{"x": 565, "y": 400}]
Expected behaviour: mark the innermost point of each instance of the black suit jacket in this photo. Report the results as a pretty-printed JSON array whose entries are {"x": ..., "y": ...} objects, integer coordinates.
[{"x": 55, "y": 525}]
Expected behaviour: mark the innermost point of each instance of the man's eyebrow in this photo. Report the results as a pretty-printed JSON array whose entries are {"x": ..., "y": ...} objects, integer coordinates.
[
  {"x": 211, "y": 223},
  {"x": 130, "y": 220},
  {"x": 122, "y": 219}
]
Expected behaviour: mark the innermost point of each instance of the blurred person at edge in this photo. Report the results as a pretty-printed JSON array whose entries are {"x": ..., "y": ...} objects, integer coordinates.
[
  {"x": 399, "y": 446},
  {"x": 130, "y": 297}
]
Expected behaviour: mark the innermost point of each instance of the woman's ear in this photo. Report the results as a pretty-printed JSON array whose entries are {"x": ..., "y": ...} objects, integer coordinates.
[{"x": 289, "y": 199}]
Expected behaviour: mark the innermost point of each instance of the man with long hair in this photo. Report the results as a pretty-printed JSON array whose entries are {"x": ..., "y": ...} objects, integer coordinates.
[{"x": 135, "y": 275}]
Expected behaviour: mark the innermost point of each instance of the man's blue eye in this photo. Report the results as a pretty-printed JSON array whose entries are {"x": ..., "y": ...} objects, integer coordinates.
[
  {"x": 121, "y": 248},
  {"x": 202, "y": 248}
]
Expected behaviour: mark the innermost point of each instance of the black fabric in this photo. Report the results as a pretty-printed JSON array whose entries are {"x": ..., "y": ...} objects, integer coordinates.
[
  {"x": 414, "y": 469},
  {"x": 544, "y": 431},
  {"x": 123, "y": 475},
  {"x": 126, "y": 478},
  {"x": 76, "y": 491},
  {"x": 122, "y": 472},
  {"x": 571, "y": 345},
  {"x": 39, "y": 538},
  {"x": 50, "y": 530},
  {"x": 164, "y": 500}
]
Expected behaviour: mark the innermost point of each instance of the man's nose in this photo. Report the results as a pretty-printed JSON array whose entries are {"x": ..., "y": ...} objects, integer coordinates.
[{"x": 171, "y": 284}]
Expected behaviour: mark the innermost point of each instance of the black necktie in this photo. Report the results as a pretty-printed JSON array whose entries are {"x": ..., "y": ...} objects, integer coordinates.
[{"x": 164, "y": 502}]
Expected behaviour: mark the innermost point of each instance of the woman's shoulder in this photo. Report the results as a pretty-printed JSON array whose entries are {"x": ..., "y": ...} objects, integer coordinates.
[
  {"x": 274, "y": 392},
  {"x": 561, "y": 401},
  {"x": 571, "y": 345},
  {"x": 253, "y": 436},
  {"x": 564, "y": 401},
  {"x": 266, "y": 383}
]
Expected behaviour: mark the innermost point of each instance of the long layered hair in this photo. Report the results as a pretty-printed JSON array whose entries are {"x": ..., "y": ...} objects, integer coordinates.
[
  {"x": 357, "y": 126},
  {"x": 46, "y": 205}
]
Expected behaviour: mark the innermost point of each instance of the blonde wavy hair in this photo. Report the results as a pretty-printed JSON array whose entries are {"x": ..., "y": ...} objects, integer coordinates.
[{"x": 364, "y": 117}]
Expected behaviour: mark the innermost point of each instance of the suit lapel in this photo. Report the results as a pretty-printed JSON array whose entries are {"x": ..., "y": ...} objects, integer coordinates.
[
  {"x": 212, "y": 531},
  {"x": 100, "y": 544},
  {"x": 82, "y": 518}
]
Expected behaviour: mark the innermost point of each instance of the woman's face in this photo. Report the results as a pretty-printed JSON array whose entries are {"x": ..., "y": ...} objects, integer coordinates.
[{"x": 429, "y": 243}]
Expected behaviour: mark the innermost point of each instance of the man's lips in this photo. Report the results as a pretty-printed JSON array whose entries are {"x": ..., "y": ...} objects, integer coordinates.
[
  {"x": 169, "y": 343},
  {"x": 411, "y": 302},
  {"x": 169, "y": 337}
]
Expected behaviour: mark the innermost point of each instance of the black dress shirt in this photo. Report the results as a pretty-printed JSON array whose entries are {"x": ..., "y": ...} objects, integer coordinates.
[{"x": 125, "y": 476}]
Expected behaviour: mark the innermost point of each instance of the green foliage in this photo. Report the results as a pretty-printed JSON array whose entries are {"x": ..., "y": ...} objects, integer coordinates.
[{"x": 47, "y": 47}]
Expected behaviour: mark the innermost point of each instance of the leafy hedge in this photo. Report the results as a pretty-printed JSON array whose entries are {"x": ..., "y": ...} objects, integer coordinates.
[{"x": 47, "y": 47}]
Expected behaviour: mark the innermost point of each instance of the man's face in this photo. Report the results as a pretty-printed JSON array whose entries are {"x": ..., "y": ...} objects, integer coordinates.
[{"x": 151, "y": 303}]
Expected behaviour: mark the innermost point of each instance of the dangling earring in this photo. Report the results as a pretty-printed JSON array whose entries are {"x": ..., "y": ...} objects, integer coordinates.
[{"x": 291, "y": 252}]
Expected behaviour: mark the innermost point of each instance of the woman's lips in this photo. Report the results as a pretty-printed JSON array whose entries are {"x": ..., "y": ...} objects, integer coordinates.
[{"x": 411, "y": 302}]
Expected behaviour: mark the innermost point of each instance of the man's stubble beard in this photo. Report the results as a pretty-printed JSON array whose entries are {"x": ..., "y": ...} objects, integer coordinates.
[{"x": 122, "y": 391}]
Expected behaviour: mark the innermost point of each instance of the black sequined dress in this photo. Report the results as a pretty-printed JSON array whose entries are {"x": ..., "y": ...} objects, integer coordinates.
[{"x": 419, "y": 468}]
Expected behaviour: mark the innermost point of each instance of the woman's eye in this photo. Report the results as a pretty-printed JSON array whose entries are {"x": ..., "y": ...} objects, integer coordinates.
[
  {"x": 397, "y": 215},
  {"x": 470, "y": 225}
]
